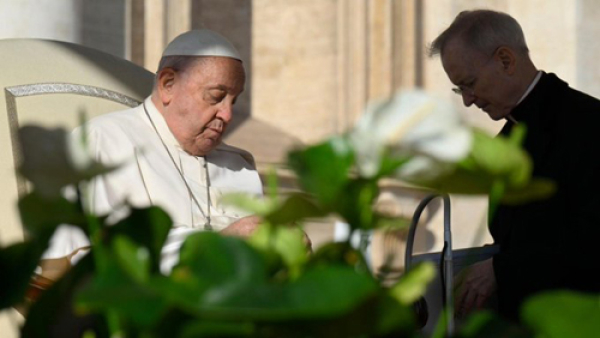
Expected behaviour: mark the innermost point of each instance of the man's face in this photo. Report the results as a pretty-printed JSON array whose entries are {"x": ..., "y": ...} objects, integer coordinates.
[
  {"x": 481, "y": 79},
  {"x": 201, "y": 100}
]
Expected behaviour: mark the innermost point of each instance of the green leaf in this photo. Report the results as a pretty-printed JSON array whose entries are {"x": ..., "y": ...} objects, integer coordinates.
[
  {"x": 465, "y": 179},
  {"x": 116, "y": 291},
  {"x": 213, "y": 269},
  {"x": 337, "y": 253},
  {"x": 262, "y": 239},
  {"x": 323, "y": 169},
  {"x": 17, "y": 263},
  {"x": 536, "y": 189},
  {"x": 377, "y": 316},
  {"x": 563, "y": 314},
  {"x": 413, "y": 284},
  {"x": 133, "y": 258},
  {"x": 219, "y": 259},
  {"x": 295, "y": 208},
  {"x": 121, "y": 288},
  {"x": 389, "y": 164},
  {"x": 486, "y": 324},
  {"x": 223, "y": 278},
  {"x": 326, "y": 291},
  {"x": 256, "y": 206},
  {"x": 497, "y": 166},
  {"x": 320, "y": 293},
  {"x": 272, "y": 184},
  {"x": 393, "y": 318},
  {"x": 500, "y": 158},
  {"x": 355, "y": 204},
  {"x": 282, "y": 241},
  {"x": 148, "y": 227},
  {"x": 388, "y": 223},
  {"x": 138, "y": 304},
  {"x": 517, "y": 134},
  {"x": 289, "y": 243},
  {"x": 217, "y": 329}
]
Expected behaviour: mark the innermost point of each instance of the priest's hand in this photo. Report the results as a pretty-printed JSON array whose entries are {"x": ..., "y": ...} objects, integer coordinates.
[{"x": 473, "y": 287}]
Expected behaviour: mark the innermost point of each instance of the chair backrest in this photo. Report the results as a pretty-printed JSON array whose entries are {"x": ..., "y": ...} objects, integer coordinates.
[{"x": 49, "y": 83}]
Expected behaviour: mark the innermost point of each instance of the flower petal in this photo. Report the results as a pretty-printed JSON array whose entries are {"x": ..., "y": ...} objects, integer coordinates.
[{"x": 411, "y": 123}]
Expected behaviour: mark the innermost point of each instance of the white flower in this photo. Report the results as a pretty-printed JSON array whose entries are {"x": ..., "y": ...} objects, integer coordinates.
[
  {"x": 53, "y": 159},
  {"x": 413, "y": 124}
]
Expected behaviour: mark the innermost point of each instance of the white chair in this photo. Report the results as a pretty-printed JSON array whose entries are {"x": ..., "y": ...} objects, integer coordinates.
[{"x": 48, "y": 83}]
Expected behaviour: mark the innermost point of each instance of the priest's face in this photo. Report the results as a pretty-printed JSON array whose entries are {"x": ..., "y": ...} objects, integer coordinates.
[
  {"x": 198, "y": 104},
  {"x": 481, "y": 79}
]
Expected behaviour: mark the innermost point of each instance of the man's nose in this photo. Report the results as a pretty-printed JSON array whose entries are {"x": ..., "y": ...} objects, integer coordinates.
[
  {"x": 226, "y": 112},
  {"x": 468, "y": 98}
]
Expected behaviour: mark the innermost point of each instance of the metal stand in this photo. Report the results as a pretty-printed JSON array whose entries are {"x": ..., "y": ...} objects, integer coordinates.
[{"x": 446, "y": 267}]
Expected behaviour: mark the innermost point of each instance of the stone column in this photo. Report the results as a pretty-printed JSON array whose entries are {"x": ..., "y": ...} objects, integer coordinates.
[
  {"x": 154, "y": 32},
  {"x": 380, "y": 47},
  {"x": 352, "y": 62},
  {"x": 408, "y": 45},
  {"x": 234, "y": 20},
  {"x": 152, "y": 25},
  {"x": 148, "y": 32},
  {"x": 178, "y": 18},
  {"x": 104, "y": 26}
]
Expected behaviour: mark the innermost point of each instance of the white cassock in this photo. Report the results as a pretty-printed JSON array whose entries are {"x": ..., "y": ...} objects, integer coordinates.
[{"x": 157, "y": 172}]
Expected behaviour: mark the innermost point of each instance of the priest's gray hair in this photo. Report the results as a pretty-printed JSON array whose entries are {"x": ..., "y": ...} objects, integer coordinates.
[
  {"x": 179, "y": 63},
  {"x": 483, "y": 31}
]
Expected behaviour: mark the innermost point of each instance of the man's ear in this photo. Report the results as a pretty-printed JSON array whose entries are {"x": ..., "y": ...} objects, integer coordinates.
[
  {"x": 507, "y": 58},
  {"x": 164, "y": 85}
]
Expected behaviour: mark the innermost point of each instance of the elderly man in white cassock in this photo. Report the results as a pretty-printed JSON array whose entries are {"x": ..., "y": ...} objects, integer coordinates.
[{"x": 172, "y": 151}]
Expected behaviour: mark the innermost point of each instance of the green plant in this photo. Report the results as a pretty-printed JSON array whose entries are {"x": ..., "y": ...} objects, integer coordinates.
[{"x": 267, "y": 286}]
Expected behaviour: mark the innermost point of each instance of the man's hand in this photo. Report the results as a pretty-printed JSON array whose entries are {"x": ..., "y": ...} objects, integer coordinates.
[
  {"x": 473, "y": 287},
  {"x": 243, "y": 227}
]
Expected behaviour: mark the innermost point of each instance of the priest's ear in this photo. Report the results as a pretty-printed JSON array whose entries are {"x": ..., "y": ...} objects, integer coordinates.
[
  {"x": 507, "y": 58},
  {"x": 165, "y": 81}
]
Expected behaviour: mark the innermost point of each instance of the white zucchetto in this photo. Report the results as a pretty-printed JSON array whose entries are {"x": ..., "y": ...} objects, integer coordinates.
[{"x": 201, "y": 42}]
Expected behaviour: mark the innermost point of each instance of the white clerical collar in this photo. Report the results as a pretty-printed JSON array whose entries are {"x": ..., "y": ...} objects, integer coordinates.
[
  {"x": 161, "y": 125},
  {"x": 531, "y": 86}
]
